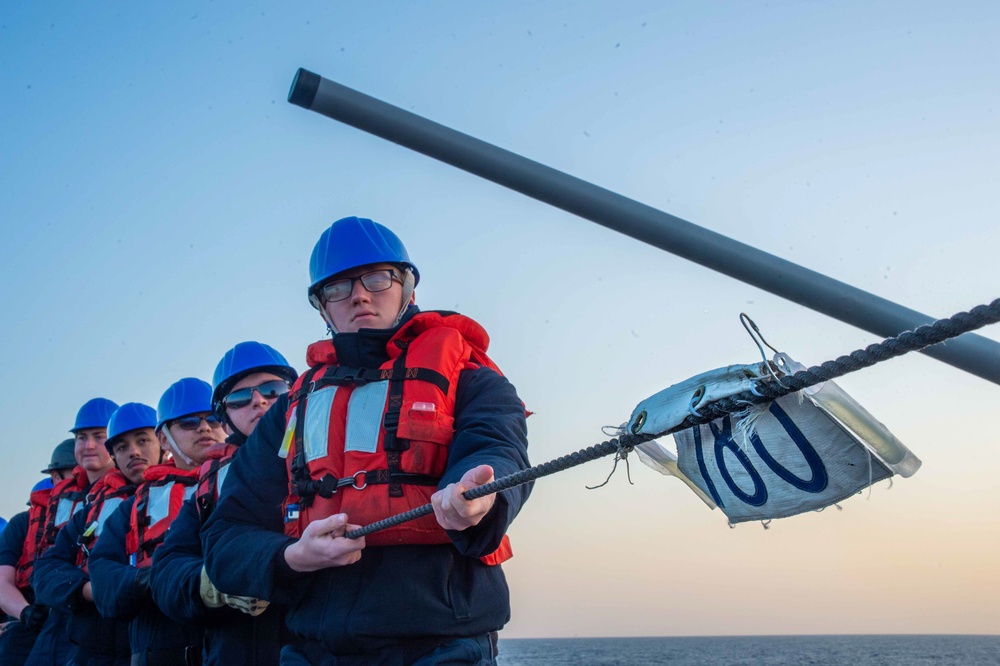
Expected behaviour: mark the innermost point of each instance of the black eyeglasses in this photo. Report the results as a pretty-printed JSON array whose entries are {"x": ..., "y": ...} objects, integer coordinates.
[
  {"x": 193, "y": 422},
  {"x": 269, "y": 390},
  {"x": 373, "y": 281}
]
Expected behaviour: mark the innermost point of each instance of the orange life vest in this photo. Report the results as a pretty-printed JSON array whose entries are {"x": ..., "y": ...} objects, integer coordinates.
[
  {"x": 68, "y": 497},
  {"x": 373, "y": 442},
  {"x": 39, "y": 504},
  {"x": 157, "y": 502},
  {"x": 105, "y": 495},
  {"x": 211, "y": 476}
]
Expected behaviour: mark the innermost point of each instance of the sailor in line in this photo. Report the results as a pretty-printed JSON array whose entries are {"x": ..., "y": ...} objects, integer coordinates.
[{"x": 399, "y": 408}]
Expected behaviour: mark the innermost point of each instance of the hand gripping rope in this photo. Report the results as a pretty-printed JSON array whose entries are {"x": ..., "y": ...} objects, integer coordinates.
[{"x": 765, "y": 390}]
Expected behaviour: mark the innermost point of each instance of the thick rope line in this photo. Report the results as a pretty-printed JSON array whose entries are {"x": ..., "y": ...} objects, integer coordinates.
[
  {"x": 503, "y": 483},
  {"x": 765, "y": 391},
  {"x": 905, "y": 342}
]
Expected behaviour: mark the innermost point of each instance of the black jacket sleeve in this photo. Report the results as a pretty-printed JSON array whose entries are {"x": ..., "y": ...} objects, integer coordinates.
[
  {"x": 57, "y": 581},
  {"x": 120, "y": 589},
  {"x": 244, "y": 540},
  {"x": 490, "y": 429},
  {"x": 12, "y": 539},
  {"x": 175, "y": 578}
]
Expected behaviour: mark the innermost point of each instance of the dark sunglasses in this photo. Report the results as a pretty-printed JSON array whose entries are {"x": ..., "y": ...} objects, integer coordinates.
[
  {"x": 269, "y": 390},
  {"x": 193, "y": 422}
]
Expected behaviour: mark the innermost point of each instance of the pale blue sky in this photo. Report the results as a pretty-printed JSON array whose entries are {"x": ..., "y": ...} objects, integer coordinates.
[{"x": 159, "y": 200}]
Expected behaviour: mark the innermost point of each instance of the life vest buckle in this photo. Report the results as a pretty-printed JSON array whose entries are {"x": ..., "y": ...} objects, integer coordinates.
[
  {"x": 350, "y": 376},
  {"x": 328, "y": 486},
  {"x": 354, "y": 480}
]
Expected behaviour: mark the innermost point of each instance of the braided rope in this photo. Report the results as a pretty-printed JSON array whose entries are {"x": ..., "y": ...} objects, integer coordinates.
[
  {"x": 766, "y": 390},
  {"x": 905, "y": 342}
]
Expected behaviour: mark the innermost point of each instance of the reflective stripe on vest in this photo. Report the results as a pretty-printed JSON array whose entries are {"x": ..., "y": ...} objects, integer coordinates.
[
  {"x": 65, "y": 508},
  {"x": 364, "y": 417},
  {"x": 159, "y": 501},
  {"x": 315, "y": 432},
  {"x": 223, "y": 473},
  {"x": 108, "y": 507}
]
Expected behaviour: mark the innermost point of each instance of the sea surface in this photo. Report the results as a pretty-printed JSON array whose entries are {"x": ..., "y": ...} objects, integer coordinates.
[{"x": 753, "y": 650}]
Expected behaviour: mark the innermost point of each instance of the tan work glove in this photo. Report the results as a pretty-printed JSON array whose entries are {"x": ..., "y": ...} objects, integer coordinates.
[
  {"x": 248, "y": 605},
  {"x": 211, "y": 596},
  {"x": 215, "y": 599}
]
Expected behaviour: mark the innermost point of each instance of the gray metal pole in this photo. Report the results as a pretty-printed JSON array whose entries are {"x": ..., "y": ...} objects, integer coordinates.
[{"x": 972, "y": 353}]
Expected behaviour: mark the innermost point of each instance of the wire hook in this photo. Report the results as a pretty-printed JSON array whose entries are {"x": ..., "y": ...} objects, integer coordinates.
[
  {"x": 758, "y": 339},
  {"x": 621, "y": 454}
]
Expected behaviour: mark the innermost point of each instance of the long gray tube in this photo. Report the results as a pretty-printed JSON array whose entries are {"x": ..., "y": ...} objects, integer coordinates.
[{"x": 972, "y": 353}]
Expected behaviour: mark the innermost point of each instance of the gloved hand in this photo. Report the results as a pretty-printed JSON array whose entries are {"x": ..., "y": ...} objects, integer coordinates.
[
  {"x": 33, "y": 617},
  {"x": 209, "y": 595},
  {"x": 215, "y": 599},
  {"x": 248, "y": 605}
]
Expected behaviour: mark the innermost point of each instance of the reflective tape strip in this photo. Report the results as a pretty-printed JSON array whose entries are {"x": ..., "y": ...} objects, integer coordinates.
[
  {"x": 286, "y": 441},
  {"x": 107, "y": 509},
  {"x": 221, "y": 479},
  {"x": 158, "y": 507},
  {"x": 65, "y": 510},
  {"x": 159, "y": 501},
  {"x": 364, "y": 417},
  {"x": 316, "y": 431}
]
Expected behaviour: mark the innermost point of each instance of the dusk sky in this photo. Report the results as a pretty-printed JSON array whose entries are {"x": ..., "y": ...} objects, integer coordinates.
[{"x": 159, "y": 199}]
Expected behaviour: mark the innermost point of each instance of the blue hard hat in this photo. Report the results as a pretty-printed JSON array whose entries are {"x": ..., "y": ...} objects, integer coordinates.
[
  {"x": 3, "y": 524},
  {"x": 44, "y": 484},
  {"x": 128, "y": 417},
  {"x": 352, "y": 242},
  {"x": 63, "y": 456},
  {"x": 184, "y": 397},
  {"x": 244, "y": 359},
  {"x": 94, "y": 414}
]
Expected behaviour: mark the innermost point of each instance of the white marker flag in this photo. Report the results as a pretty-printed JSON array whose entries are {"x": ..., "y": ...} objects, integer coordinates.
[{"x": 800, "y": 453}]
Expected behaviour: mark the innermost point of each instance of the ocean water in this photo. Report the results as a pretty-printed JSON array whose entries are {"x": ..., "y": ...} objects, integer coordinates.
[{"x": 753, "y": 650}]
